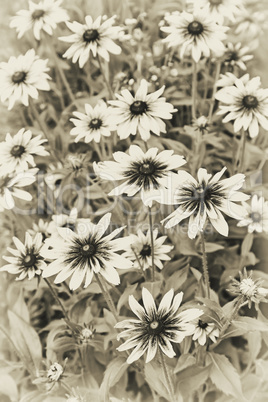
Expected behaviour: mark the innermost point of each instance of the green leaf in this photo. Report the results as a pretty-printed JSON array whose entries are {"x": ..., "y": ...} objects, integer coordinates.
[
  {"x": 247, "y": 244},
  {"x": 184, "y": 361},
  {"x": 191, "y": 379},
  {"x": 8, "y": 387},
  {"x": 242, "y": 325},
  {"x": 155, "y": 378},
  {"x": 176, "y": 280},
  {"x": 130, "y": 289},
  {"x": 224, "y": 375},
  {"x": 112, "y": 375}
]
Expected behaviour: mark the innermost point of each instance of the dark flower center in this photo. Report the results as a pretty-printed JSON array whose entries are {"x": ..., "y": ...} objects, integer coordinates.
[
  {"x": 147, "y": 168},
  {"x": 202, "y": 324},
  {"x": 250, "y": 101},
  {"x": 146, "y": 250},
  {"x": 138, "y": 107},
  {"x": 145, "y": 173},
  {"x": 195, "y": 28},
  {"x": 29, "y": 260},
  {"x": 231, "y": 56},
  {"x": 95, "y": 124},
  {"x": 89, "y": 249},
  {"x": 37, "y": 14},
  {"x": 17, "y": 151},
  {"x": 155, "y": 327},
  {"x": 90, "y": 35},
  {"x": 18, "y": 77},
  {"x": 215, "y": 2},
  {"x": 256, "y": 217}
]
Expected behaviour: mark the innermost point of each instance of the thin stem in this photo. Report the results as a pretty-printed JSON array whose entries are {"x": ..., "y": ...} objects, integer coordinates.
[
  {"x": 240, "y": 166},
  {"x": 38, "y": 119},
  {"x": 106, "y": 296},
  {"x": 205, "y": 265},
  {"x": 169, "y": 385},
  {"x": 212, "y": 101},
  {"x": 137, "y": 258},
  {"x": 234, "y": 314},
  {"x": 105, "y": 79},
  {"x": 152, "y": 241},
  {"x": 57, "y": 299},
  {"x": 194, "y": 89}
]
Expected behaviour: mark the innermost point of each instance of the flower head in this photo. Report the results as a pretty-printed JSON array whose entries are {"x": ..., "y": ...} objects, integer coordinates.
[
  {"x": 40, "y": 227},
  {"x": 55, "y": 371},
  {"x": 140, "y": 248},
  {"x": 229, "y": 79},
  {"x": 85, "y": 252},
  {"x": 16, "y": 153},
  {"x": 236, "y": 55},
  {"x": 204, "y": 330},
  {"x": 94, "y": 36},
  {"x": 201, "y": 124},
  {"x": 150, "y": 173},
  {"x": 220, "y": 10},
  {"x": 257, "y": 218},
  {"x": 43, "y": 16},
  {"x": 22, "y": 77},
  {"x": 195, "y": 31},
  {"x": 92, "y": 125},
  {"x": 248, "y": 289},
  {"x": 26, "y": 260},
  {"x": 156, "y": 327},
  {"x": 205, "y": 199},
  {"x": 142, "y": 113},
  {"x": 246, "y": 104}
]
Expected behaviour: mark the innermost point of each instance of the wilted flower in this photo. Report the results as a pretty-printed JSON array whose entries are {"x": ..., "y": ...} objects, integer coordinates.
[
  {"x": 43, "y": 16},
  {"x": 94, "y": 124},
  {"x": 27, "y": 260},
  {"x": 205, "y": 330},
  {"x": 94, "y": 36},
  {"x": 249, "y": 290},
  {"x": 142, "y": 113},
  {"x": 201, "y": 124},
  {"x": 86, "y": 252},
  {"x": 17, "y": 152},
  {"x": 246, "y": 104},
  {"x": 140, "y": 248},
  {"x": 149, "y": 173},
  {"x": 195, "y": 31},
  {"x": 235, "y": 55},
  {"x": 55, "y": 371},
  {"x": 205, "y": 199},
  {"x": 257, "y": 218},
  {"x": 156, "y": 327},
  {"x": 22, "y": 77},
  {"x": 220, "y": 10}
]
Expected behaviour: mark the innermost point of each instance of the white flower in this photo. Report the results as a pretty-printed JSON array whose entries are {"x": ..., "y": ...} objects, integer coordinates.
[
  {"x": 40, "y": 227},
  {"x": 10, "y": 187},
  {"x": 195, "y": 31},
  {"x": 204, "y": 330},
  {"x": 55, "y": 372},
  {"x": 16, "y": 153},
  {"x": 229, "y": 79},
  {"x": 26, "y": 260},
  {"x": 156, "y": 327},
  {"x": 22, "y": 77},
  {"x": 257, "y": 218},
  {"x": 95, "y": 36},
  {"x": 94, "y": 124},
  {"x": 140, "y": 247},
  {"x": 43, "y": 16},
  {"x": 86, "y": 252},
  {"x": 246, "y": 104},
  {"x": 150, "y": 173},
  {"x": 205, "y": 199},
  {"x": 220, "y": 10},
  {"x": 236, "y": 55},
  {"x": 142, "y": 113}
]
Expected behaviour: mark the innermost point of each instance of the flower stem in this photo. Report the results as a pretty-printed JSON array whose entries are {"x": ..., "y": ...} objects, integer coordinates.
[
  {"x": 205, "y": 265},
  {"x": 111, "y": 94},
  {"x": 169, "y": 385},
  {"x": 137, "y": 258},
  {"x": 239, "y": 304},
  {"x": 107, "y": 296},
  {"x": 212, "y": 101},
  {"x": 241, "y": 152},
  {"x": 57, "y": 299},
  {"x": 194, "y": 89},
  {"x": 40, "y": 122},
  {"x": 152, "y": 241}
]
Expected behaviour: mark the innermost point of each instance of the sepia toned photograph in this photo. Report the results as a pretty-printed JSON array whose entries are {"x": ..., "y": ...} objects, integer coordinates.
[{"x": 133, "y": 201}]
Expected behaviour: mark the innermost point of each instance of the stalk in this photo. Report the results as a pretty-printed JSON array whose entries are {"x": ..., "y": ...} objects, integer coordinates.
[
  {"x": 217, "y": 74},
  {"x": 152, "y": 241},
  {"x": 107, "y": 296},
  {"x": 205, "y": 265},
  {"x": 108, "y": 86},
  {"x": 38, "y": 119},
  {"x": 194, "y": 89},
  {"x": 56, "y": 297},
  {"x": 169, "y": 385}
]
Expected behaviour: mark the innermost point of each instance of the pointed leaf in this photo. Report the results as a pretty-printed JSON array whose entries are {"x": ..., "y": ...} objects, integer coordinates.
[{"x": 112, "y": 375}]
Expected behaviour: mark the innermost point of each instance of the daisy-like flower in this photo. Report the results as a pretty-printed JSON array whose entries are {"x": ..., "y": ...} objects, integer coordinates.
[
  {"x": 94, "y": 36},
  {"x": 22, "y": 77},
  {"x": 86, "y": 252},
  {"x": 55, "y": 372},
  {"x": 26, "y": 260},
  {"x": 94, "y": 124},
  {"x": 150, "y": 173},
  {"x": 140, "y": 247},
  {"x": 257, "y": 218},
  {"x": 195, "y": 31},
  {"x": 142, "y": 113},
  {"x": 220, "y": 10},
  {"x": 229, "y": 79},
  {"x": 248, "y": 289},
  {"x": 204, "y": 330},
  {"x": 17, "y": 152},
  {"x": 10, "y": 186},
  {"x": 205, "y": 199},
  {"x": 43, "y": 16},
  {"x": 236, "y": 55},
  {"x": 246, "y": 104},
  {"x": 40, "y": 227},
  {"x": 156, "y": 327}
]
